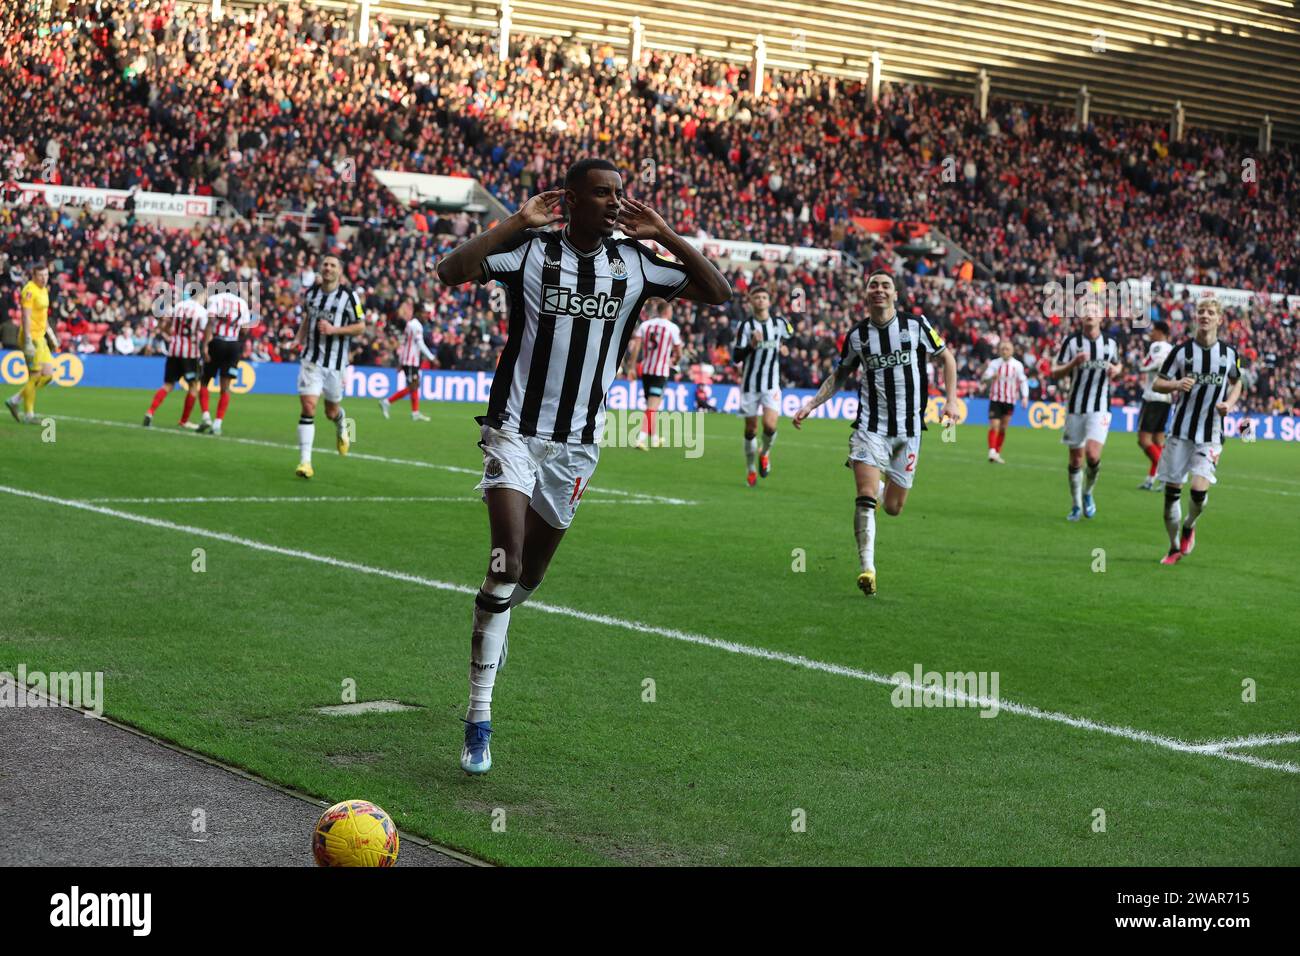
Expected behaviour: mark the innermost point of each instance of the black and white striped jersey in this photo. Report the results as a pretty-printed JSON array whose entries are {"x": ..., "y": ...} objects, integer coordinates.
[
  {"x": 1090, "y": 381},
  {"x": 761, "y": 354},
  {"x": 339, "y": 307},
  {"x": 572, "y": 315},
  {"x": 1194, "y": 416},
  {"x": 895, "y": 380}
]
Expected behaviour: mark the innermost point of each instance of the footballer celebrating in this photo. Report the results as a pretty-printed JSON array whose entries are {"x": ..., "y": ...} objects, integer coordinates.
[
  {"x": 1197, "y": 373},
  {"x": 1010, "y": 384},
  {"x": 1155, "y": 405},
  {"x": 36, "y": 339},
  {"x": 574, "y": 297},
  {"x": 758, "y": 351},
  {"x": 413, "y": 349},
  {"x": 891, "y": 348},
  {"x": 331, "y": 316},
  {"x": 655, "y": 352},
  {"x": 1092, "y": 360}
]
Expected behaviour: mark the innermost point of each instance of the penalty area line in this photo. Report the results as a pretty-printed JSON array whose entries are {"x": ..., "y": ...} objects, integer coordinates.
[{"x": 1212, "y": 749}]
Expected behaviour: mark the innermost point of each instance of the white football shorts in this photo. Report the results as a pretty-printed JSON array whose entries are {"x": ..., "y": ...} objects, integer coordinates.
[
  {"x": 1183, "y": 457},
  {"x": 325, "y": 382},
  {"x": 1083, "y": 427},
  {"x": 896, "y": 457},
  {"x": 750, "y": 402},
  {"x": 554, "y": 475}
]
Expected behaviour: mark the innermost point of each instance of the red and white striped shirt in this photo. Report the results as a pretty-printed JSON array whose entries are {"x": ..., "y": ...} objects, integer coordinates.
[
  {"x": 1010, "y": 384},
  {"x": 188, "y": 320},
  {"x": 658, "y": 339},
  {"x": 413, "y": 345},
  {"x": 229, "y": 314}
]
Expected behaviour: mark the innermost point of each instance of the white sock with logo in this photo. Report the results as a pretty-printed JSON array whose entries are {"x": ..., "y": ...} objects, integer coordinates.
[
  {"x": 491, "y": 620},
  {"x": 751, "y": 452}
]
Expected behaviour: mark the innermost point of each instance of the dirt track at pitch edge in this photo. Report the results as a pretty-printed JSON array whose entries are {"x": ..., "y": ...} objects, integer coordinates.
[{"x": 86, "y": 792}]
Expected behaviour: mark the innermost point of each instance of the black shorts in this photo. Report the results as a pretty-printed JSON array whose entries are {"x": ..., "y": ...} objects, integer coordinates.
[
  {"x": 412, "y": 373},
  {"x": 223, "y": 359},
  {"x": 654, "y": 384},
  {"x": 1001, "y": 409},
  {"x": 181, "y": 369},
  {"x": 1154, "y": 417}
]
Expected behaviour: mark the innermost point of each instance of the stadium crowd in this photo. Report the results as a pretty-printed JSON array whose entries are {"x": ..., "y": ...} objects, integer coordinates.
[{"x": 279, "y": 111}]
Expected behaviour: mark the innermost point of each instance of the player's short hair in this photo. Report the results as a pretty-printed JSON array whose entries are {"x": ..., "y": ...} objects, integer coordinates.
[
  {"x": 1211, "y": 300},
  {"x": 39, "y": 266},
  {"x": 882, "y": 272},
  {"x": 756, "y": 289},
  {"x": 577, "y": 173},
  {"x": 1161, "y": 326}
]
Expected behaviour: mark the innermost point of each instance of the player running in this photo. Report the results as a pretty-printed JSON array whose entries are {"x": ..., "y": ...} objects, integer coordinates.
[
  {"x": 891, "y": 347},
  {"x": 1155, "y": 405},
  {"x": 654, "y": 354},
  {"x": 229, "y": 315},
  {"x": 758, "y": 351},
  {"x": 189, "y": 319},
  {"x": 1197, "y": 374},
  {"x": 36, "y": 339},
  {"x": 326, "y": 352},
  {"x": 1009, "y": 385},
  {"x": 1092, "y": 360},
  {"x": 413, "y": 348},
  {"x": 574, "y": 299}
]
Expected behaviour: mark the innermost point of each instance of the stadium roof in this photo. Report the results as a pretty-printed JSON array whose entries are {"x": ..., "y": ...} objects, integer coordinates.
[{"x": 1230, "y": 62}]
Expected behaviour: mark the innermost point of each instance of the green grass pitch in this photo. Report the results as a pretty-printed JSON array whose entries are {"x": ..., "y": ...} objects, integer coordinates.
[{"x": 737, "y": 759}]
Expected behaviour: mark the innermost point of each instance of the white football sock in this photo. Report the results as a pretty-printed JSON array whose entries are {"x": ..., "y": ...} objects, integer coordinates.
[
  {"x": 751, "y": 452},
  {"x": 768, "y": 439},
  {"x": 864, "y": 528},
  {"x": 340, "y": 420},
  {"x": 491, "y": 620},
  {"x": 1091, "y": 479},
  {"x": 1173, "y": 514},
  {"x": 1196, "y": 507},
  {"x": 1076, "y": 487},
  {"x": 306, "y": 436}
]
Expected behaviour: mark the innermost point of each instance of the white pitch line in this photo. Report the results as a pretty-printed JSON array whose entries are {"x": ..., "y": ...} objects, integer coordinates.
[
  {"x": 163, "y": 430},
  {"x": 1259, "y": 740},
  {"x": 1081, "y": 723},
  {"x": 314, "y": 499}
]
